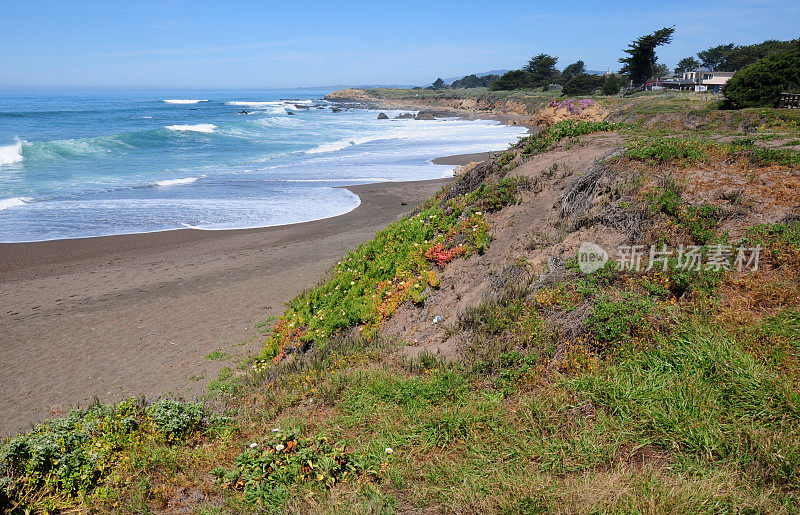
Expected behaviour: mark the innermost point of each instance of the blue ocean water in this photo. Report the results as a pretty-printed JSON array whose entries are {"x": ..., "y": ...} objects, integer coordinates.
[{"x": 76, "y": 164}]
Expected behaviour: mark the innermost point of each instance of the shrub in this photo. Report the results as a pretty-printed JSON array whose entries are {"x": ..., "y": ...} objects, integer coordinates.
[
  {"x": 515, "y": 79},
  {"x": 761, "y": 83},
  {"x": 175, "y": 419},
  {"x": 66, "y": 459},
  {"x": 612, "y": 84},
  {"x": 583, "y": 84}
]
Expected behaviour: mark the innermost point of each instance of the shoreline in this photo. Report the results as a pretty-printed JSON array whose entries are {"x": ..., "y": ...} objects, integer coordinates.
[{"x": 144, "y": 314}]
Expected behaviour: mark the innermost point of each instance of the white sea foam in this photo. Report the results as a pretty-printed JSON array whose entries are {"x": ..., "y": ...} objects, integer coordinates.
[
  {"x": 177, "y": 182},
  {"x": 11, "y": 153},
  {"x": 253, "y": 104},
  {"x": 200, "y": 127},
  {"x": 13, "y": 202},
  {"x": 342, "y": 144},
  {"x": 184, "y": 100}
]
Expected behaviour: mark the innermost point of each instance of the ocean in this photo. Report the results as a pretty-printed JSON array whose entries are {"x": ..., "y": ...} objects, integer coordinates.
[{"x": 77, "y": 164}]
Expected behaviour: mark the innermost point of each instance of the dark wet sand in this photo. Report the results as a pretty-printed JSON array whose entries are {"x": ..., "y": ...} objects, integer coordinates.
[
  {"x": 132, "y": 315},
  {"x": 462, "y": 159}
]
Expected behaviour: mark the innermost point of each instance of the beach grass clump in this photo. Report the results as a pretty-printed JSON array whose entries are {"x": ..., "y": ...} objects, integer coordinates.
[{"x": 71, "y": 459}]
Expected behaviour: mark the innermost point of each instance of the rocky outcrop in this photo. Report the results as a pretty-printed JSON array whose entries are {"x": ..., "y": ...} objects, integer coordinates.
[
  {"x": 383, "y": 116},
  {"x": 350, "y": 95}
]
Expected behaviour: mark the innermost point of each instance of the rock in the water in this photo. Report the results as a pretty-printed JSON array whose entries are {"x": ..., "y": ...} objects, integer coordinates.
[
  {"x": 383, "y": 116},
  {"x": 404, "y": 116},
  {"x": 425, "y": 115},
  {"x": 336, "y": 110}
]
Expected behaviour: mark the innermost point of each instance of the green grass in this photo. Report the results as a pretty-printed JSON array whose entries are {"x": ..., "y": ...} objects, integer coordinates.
[
  {"x": 217, "y": 355},
  {"x": 705, "y": 400},
  {"x": 549, "y": 136},
  {"x": 697, "y": 150}
]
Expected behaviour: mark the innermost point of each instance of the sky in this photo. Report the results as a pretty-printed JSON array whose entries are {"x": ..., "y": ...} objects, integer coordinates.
[{"x": 183, "y": 44}]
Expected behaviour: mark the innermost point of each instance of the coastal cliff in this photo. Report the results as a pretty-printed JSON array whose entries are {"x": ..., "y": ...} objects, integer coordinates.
[
  {"x": 513, "y": 109},
  {"x": 603, "y": 317}
]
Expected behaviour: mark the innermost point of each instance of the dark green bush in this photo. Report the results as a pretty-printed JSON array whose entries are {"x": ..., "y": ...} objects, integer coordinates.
[
  {"x": 612, "y": 84},
  {"x": 515, "y": 79},
  {"x": 761, "y": 83},
  {"x": 174, "y": 419},
  {"x": 583, "y": 84}
]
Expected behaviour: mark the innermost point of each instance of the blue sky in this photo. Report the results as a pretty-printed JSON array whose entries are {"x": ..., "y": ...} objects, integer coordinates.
[{"x": 178, "y": 44}]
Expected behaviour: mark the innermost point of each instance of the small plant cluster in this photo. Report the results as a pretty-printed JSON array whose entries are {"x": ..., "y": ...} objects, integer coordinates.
[
  {"x": 494, "y": 196},
  {"x": 66, "y": 459},
  {"x": 550, "y": 136},
  {"x": 697, "y": 222},
  {"x": 396, "y": 266},
  {"x": 441, "y": 255},
  {"x": 695, "y": 150},
  {"x": 267, "y": 472},
  {"x": 571, "y": 105},
  {"x": 780, "y": 244},
  {"x": 668, "y": 149}
]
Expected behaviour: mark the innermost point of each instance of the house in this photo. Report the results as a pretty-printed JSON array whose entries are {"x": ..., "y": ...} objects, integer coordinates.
[
  {"x": 698, "y": 80},
  {"x": 707, "y": 78}
]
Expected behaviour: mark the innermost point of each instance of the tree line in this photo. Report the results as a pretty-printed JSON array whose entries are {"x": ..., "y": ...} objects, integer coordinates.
[{"x": 639, "y": 65}]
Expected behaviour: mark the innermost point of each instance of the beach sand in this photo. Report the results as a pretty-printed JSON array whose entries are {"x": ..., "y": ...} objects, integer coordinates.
[
  {"x": 462, "y": 159},
  {"x": 122, "y": 316}
]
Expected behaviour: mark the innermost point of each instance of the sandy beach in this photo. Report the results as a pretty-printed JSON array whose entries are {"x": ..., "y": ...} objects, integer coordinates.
[{"x": 141, "y": 314}]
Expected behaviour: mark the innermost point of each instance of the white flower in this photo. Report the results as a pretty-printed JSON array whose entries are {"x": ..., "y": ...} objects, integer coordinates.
[
  {"x": 388, "y": 450},
  {"x": 253, "y": 445},
  {"x": 279, "y": 447},
  {"x": 276, "y": 430},
  {"x": 479, "y": 213}
]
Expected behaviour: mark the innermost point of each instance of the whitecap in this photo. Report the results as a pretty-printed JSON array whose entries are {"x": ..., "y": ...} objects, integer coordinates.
[
  {"x": 200, "y": 127},
  {"x": 341, "y": 144},
  {"x": 11, "y": 153},
  {"x": 177, "y": 182},
  {"x": 253, "y": 104},
  {"x": 184, "y": 100},
  {"x": 13, "y": 202}
]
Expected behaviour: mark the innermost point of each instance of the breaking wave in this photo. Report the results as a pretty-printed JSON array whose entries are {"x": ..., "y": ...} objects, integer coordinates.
[
  {"x": 11, "y": 153},
  {"x": 207, "y": 128},
  {"x": 184, "y": 101}
]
